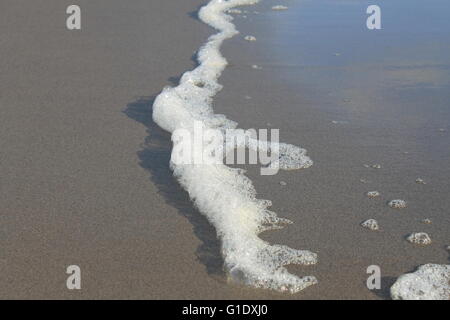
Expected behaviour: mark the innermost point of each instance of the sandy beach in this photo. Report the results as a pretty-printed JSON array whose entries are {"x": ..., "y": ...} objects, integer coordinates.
[
  {"x": 85, "y": 178},
  {"x": 75, "y": 110}
]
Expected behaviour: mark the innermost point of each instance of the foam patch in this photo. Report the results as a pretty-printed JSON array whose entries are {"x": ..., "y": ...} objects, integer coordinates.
[
  {"x": 429, "y": 282},
  {"x": 224, "y": 195}
]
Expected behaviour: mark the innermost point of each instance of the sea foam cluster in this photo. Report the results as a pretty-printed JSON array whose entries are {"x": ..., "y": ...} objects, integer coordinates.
[
  {"x": 373, "y": 194},
  {"x": 429, "y": 282},
  {"x": 420, "y": 238},
  {"x": 371, "y": 224},
  {"x": 397, "y": 204},
  {"x": 225, "y": 195}
]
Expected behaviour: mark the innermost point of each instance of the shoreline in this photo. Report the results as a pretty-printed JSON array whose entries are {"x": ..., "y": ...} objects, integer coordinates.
[{"x": 224, "y": 195}]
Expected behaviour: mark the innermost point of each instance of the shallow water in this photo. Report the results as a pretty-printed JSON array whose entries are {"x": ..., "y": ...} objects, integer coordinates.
[
  {"x": 370, "y": 75},
  {"x": 354, "y": 98}
]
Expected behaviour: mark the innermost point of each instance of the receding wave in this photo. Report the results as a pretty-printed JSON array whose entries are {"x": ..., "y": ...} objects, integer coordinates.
[{"x": 223, "y": 194}]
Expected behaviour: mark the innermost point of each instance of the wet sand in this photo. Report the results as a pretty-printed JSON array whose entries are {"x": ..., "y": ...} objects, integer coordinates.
[{"x": 85, "y": 177}]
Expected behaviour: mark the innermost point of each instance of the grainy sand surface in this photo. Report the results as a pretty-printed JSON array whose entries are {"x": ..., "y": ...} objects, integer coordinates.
[{"x": 84, "y": 176}]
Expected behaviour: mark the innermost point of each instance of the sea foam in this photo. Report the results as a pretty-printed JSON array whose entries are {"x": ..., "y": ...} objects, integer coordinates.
[
  {"x": 429, "y": 282},
  {"x": 225, "y": 195}
]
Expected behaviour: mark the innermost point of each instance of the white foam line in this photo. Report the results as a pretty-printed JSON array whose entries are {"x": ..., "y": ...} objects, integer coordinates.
[{"x": 225, "y": 195}]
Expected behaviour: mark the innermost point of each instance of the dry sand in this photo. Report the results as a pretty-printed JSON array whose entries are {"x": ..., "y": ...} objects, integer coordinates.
[{"x": 76, "y": 187}]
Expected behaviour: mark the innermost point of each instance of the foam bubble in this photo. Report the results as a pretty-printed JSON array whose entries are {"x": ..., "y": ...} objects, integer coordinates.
[
  {"x": 373, "y": 194},
  {"x": 371, "y": 224},
  {"x": 234, "y": 11},
  {"x": 397, "y": 204},
  {"x": 225, "y": 195},
  {"x": 279, "y": 7},
  {"x": 420, "y": 181},
  {"x": 420, "y": 238},
  {"x": 339, "y": 122},
  {"x": 373, "y": 166},
  {"x": 429, "y": 282},
  {"x": 250, "y": 38}
]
